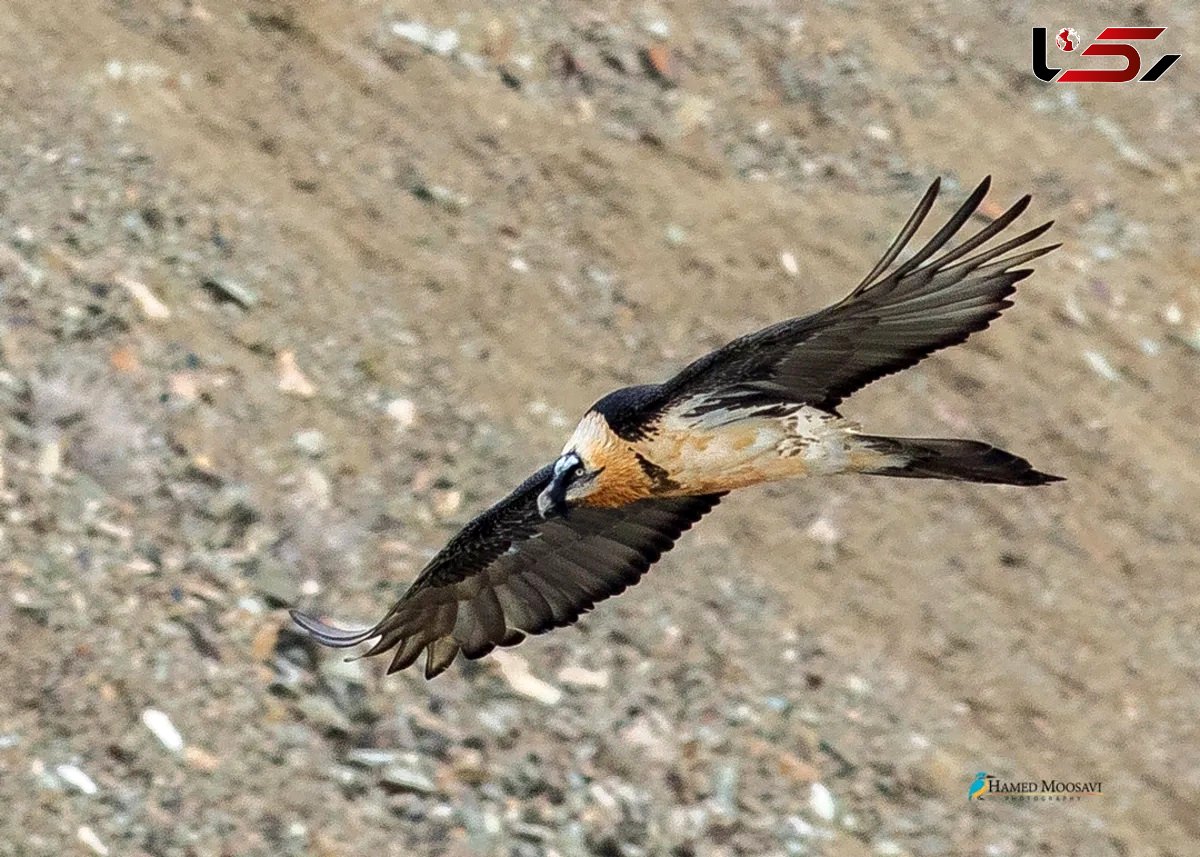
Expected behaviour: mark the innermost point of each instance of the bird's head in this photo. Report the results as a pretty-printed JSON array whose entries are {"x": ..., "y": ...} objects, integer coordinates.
[{"x": 571, "y": 481}]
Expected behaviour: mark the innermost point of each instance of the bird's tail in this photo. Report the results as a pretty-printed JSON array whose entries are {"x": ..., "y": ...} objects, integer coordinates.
[{"x": 946, "y": 458}]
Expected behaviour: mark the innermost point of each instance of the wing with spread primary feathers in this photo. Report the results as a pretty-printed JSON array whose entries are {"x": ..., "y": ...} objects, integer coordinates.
[
  {"x": 510, "y": 572},
  {"x": 896, "y": 317}
]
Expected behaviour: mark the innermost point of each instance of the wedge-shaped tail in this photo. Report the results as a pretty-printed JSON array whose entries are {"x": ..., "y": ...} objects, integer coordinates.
[{"x": 961, "y": 460}]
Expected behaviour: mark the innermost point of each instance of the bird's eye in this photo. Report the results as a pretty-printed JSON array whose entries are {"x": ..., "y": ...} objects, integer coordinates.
[{"x": 577, "y": 471}]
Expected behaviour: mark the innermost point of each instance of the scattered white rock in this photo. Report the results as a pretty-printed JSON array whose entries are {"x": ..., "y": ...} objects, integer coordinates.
[
  {"x": 857, "y": 685},
  {"x": 403, "y": 411},
  {"x": 879, "y": 133},
  {"x": 89, "y": 838},
  {"x": 151, "y": 306},
  {"x": 583, "y": 677},
  {"x": 164, "y": 730},
  {"x": 515, "y": 670},
  {"x": 519, "y": 265},
  {"x": 311, "y": 442},
  {"x": 291, "y": 379},
  {"x": 788, "y": 259},
  {"x": 820, "y": 799},
  {"x": 440, "y": 42},
  {"x": 1172, "y": 314},
  {"x": 446, "y": 503},
  {"x": 824, "y": 532},
  {"x": 50, "y": 459},
  {"x": 1100, "y": 365},
  {"x": 76, "y": 779}
]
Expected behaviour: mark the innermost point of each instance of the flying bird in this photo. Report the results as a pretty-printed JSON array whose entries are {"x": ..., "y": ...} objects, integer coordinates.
[{"x": 645, "y": 463}]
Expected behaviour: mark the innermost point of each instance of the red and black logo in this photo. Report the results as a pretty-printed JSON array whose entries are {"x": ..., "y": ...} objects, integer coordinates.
[{"x": 1112, "y": 42}]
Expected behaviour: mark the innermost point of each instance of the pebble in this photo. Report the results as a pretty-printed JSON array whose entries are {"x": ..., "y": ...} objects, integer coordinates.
[
  {"x": 583, "y": 677},
  {"x": 675, "y": 235},
  {"x": 371, "y": 757},
  {"x": 407, "y": 778},
  {"x": 820, "y": 799},
  {"x": 440, "y": 42},
  {"x": 788, "y": 259},
  {"x": 77, "y": 779},
  {"x": 1100, "y": 365},
  {"x": 201, "y": 760},
  {"x": 515, "y": 670},
  {"x": 403, "y": 411},
  {"x": 89, "y": 838},
  {"x": 151, "y": 306},
  {"x": 725, "y": 787},
  {"x": 311, "y": 442},
  {"x": 164, "y": 730},
  {"x": 231, "y": 291},
  {"x": 291, "y": 379},
  {"x": 446, "y": 503}
]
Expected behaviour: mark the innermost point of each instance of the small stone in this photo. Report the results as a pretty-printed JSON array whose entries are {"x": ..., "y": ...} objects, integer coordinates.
[
  {"x": 446, "y": 503},
  {"x": 50, "y": 459},
  {"x": 1100, "y": 365},
  {"x": 1172, "y": 314},
  {"x": 440, "y": 195},
  {"x": 164, "y": 730},
  {"x": 76, "y": 779},
  {"x": 200, "y": 760},
  {"x": 440, "y": 42},
  {"x": 403, "y": 411},
  {"x": 311, "y": 442},
  {"x": 675, "y": 236},
  {"x": 371, "y": 757},
  {"x": 89, "y": 838},
  {"x": 823, "y": 532},
  {"x": 582, "y": 677},
  {"x": 231, "y": 291},
  {"x": 515, "y": 670},
  {"x": 820, "y": 799},
  {"x": 151, "y": 306},
  {"x": 519, "y": 265},
  {"x": 725, "y": 785},
  {"x": 407, "y": 778},
  {"x": 291, "y": 379},
  {"x": 788, "y": 259}
]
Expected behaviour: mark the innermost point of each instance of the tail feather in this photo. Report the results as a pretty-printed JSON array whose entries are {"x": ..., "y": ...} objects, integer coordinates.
[{"x": 961, "y": 460}]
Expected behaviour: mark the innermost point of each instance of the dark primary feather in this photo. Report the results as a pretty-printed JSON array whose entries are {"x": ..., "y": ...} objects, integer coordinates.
[
  {"x": 896, "y": 316},
  {"x": 510, "y": 572}
]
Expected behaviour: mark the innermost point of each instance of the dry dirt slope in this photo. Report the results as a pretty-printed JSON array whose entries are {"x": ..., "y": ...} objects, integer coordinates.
[{"x": 498, "y": 254}]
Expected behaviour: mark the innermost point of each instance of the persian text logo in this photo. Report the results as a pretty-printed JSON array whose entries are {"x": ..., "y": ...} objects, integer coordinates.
[
  {"x": 1112, "y": 42},
  {"x": 986, "y": 786}
]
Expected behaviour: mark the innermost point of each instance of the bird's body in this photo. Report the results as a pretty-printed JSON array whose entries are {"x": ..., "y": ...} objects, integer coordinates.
[
  {"x": 647, "y": 462},
  {"x": 703, "y": 446}
]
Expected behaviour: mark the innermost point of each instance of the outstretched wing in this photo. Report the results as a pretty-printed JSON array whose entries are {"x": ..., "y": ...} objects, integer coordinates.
[
  {"x": 895, "y": 317},
  {"x": 510, "y": 572}
]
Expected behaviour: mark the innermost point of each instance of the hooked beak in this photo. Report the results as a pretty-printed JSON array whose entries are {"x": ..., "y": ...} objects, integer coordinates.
[{"x": 553, "y": 499}]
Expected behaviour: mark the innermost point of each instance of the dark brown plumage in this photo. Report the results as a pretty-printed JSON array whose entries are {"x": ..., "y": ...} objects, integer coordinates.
[{"x": 647, "y": 462}]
